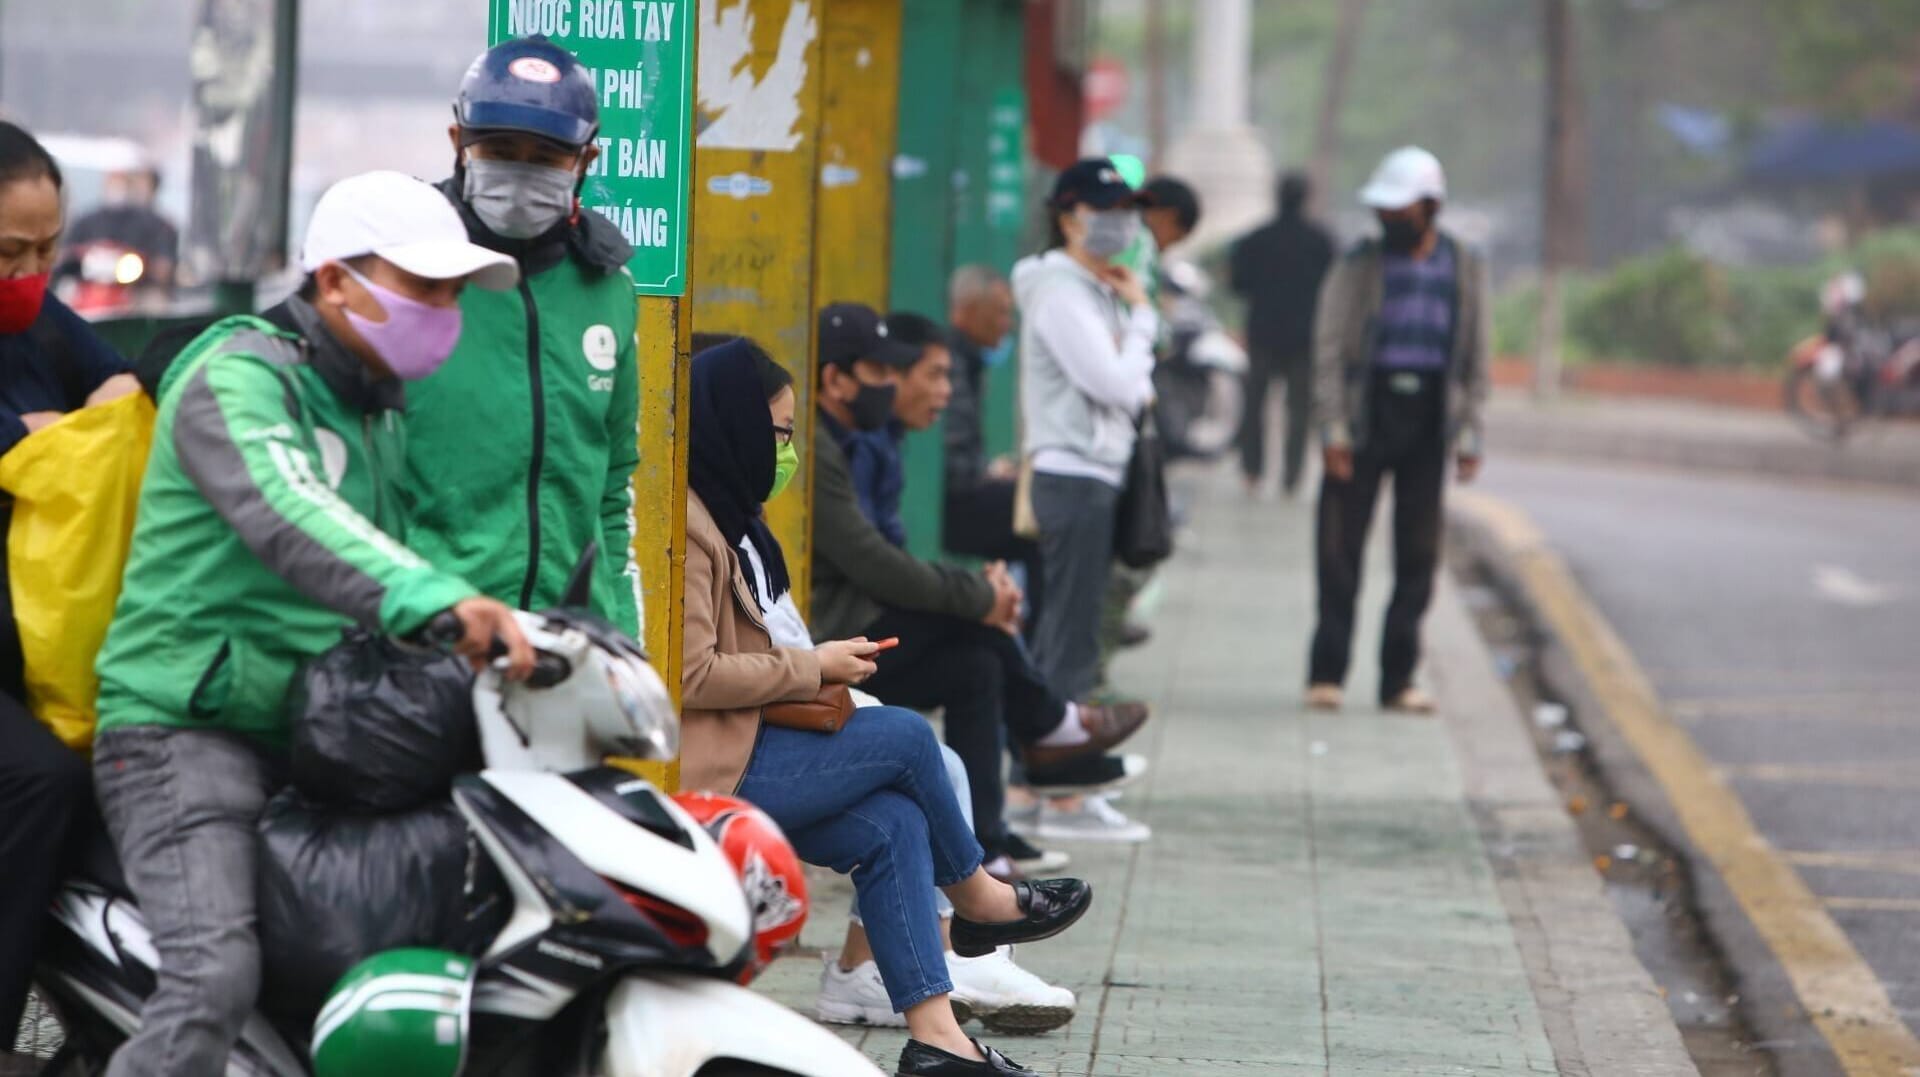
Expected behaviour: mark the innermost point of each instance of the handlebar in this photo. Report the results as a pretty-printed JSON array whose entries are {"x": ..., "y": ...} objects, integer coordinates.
[{"x": 444, "y": 631}]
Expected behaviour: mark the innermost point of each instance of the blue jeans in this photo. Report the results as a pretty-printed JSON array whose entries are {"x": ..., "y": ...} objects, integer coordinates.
[{"x": 873, "y": 801}]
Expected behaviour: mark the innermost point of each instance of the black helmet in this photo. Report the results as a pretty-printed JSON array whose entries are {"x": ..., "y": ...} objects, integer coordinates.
[{"x": 531, "y": 86}]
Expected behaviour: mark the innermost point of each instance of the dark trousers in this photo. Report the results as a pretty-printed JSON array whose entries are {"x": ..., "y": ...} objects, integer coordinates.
[
  {"x": 46, "y": 808},
  {"x": 988, "y": 687},
  {"x": 1295, "y": 370},
  {"x": 1076, "y": 517},
  {"x": 1407, "y": 443}
]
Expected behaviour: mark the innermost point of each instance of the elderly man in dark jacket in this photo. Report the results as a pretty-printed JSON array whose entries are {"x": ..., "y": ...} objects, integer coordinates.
[{"x": 1400, "y": 356}]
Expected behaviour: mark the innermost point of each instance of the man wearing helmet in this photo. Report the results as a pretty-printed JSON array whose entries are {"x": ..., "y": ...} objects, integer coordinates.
[
  {"x": 521, "y": 451},
  {"x": 1400, "y": 374}
]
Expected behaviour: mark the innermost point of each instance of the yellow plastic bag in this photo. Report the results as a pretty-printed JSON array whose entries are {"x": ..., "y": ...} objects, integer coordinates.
[{"x": 75, "y": 487}]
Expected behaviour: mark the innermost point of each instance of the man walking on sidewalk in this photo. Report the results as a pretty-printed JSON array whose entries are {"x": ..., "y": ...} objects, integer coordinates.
[
  {"x": 1400, "y": 374},
  {"x": 1278, "y": 269}
]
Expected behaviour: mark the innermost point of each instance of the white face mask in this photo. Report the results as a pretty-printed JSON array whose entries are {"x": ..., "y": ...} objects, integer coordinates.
[
  {"x": 1109, "y": 231},
  {"x": 517, "y": 200}
]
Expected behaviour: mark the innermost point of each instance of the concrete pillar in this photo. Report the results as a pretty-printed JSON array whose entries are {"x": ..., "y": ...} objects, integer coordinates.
[{"x": 1219, "y": 152}]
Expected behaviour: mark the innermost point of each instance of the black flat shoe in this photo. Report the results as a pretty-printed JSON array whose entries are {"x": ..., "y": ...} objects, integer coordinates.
[
  {"x": 919, "y": 1060},
  {"x": 1050, "y": 906}
]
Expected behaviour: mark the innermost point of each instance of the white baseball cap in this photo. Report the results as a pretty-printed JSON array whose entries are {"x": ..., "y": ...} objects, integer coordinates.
[
  {"x": 406, "y": 222},
  {"x": 1405, "y": 176}
]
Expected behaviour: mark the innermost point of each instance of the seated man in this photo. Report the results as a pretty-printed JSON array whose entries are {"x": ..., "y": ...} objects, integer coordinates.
[
  {"x": 269, "y": 520},
  {"x": 958, "y": 630}
]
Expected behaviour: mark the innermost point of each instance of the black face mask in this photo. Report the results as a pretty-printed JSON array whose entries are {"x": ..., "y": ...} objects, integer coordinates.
[
  {"x": 1398, "y": 235},
  {"x": 873, "y": 407}
]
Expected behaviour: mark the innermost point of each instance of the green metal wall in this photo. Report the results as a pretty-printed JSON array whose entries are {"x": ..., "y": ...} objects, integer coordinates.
[{"x": 960, "y": 59}]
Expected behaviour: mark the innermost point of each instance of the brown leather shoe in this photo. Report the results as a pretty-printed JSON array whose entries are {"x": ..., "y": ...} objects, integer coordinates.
[{"x": 1106, "y": 726}]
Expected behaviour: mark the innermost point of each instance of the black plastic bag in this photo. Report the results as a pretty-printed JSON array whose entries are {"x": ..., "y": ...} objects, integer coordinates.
[
  {"x": 336, "y": 888},
  {"x": 1143, "y": 519},
  {"x": 378, "y": 727}
]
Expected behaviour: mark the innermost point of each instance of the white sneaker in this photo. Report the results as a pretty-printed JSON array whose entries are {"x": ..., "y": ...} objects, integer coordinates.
[
  {"x": 858, "y": 997},
  {"x": 1095, "y": 820},
  {"x": 1006, "y": 997}
]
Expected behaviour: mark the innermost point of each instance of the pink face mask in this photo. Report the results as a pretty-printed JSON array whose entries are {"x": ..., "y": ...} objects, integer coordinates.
[{"x": 416, "y": 337}]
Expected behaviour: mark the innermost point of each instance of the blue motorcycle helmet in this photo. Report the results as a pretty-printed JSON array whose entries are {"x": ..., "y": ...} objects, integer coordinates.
[{"x": 528, "y": 86}]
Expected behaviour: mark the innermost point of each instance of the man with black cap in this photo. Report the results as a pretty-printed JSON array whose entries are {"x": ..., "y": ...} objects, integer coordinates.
[{"x": 957, "y": 629}]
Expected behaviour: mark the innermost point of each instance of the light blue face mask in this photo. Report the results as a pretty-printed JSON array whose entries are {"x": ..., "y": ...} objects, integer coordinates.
[{"x": 999, "y": 353}]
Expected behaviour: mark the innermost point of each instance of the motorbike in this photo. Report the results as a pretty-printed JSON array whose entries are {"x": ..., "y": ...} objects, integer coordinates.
[
  {"x": 1200, "y": 386},
  {"x": 627, "y": 929},
  {"x": 1855, "y": 369}
]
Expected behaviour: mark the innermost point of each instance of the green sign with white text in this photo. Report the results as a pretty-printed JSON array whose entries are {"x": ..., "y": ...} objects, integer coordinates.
[{"x": 640, "y": 54}]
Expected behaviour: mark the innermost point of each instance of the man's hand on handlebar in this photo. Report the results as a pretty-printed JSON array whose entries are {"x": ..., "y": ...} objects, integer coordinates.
[{"x": 482, "y": 621}]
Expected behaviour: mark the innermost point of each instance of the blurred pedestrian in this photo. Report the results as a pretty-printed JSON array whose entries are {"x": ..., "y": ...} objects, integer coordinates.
[
  {"x": 1400, "y": 374},
  {"x": 1278, "y": 269}
]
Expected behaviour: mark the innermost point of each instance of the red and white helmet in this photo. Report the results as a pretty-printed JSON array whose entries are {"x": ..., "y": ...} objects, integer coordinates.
[{"x": 769, "y": 871}]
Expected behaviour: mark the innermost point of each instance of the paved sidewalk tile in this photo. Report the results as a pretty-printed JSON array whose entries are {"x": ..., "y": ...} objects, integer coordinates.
[{"x": 1315, "y": 899}]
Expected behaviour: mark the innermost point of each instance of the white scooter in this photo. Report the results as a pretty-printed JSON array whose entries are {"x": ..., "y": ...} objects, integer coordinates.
[{"x": 628, "y": 923}]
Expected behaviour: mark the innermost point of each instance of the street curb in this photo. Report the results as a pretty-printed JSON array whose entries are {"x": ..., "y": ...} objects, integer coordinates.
[
  {"x": 1602, "y": 1012},
  {"x": 1571, "y": 435},
  {"x": 1788, "y": 947}
]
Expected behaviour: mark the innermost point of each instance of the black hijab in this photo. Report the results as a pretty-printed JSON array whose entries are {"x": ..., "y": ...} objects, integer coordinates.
[{"x": 730, "y": 463}]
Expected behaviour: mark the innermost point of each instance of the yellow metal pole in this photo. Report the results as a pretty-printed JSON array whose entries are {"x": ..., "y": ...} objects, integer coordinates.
[
  {"x": 664, "y": 328},
  {"x": 859, "y": 112},
  {"x": 752, "y": 264},
  {"x": 660, "y": 498}
]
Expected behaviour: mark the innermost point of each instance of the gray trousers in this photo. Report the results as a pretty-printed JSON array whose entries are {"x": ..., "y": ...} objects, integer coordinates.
[
  {"x": 183, "y": 806},
  {"x": 1076, "y": 556}
]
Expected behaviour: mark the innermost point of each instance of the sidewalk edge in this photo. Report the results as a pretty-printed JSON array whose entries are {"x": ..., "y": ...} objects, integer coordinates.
[
  {"x": 1602, "y": 1013},
  {"x": 1755, "y": 904}
]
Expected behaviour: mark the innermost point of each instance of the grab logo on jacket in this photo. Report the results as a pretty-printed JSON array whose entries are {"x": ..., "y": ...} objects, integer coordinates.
[{"x": 602, "y": 348}]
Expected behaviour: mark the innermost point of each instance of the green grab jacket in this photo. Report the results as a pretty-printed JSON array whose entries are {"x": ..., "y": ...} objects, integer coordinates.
[
  {"x": 269, "y": 519},
  {"x": 521, "y": 449}
]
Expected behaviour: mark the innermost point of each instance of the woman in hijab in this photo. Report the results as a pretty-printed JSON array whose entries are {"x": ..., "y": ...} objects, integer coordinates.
[{"x": 873, "y": 799}]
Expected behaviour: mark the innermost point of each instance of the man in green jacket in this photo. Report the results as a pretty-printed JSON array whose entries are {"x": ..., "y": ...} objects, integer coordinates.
[
  {"x": 521, "y": 452},
  {"x": 268, "y": 521}
]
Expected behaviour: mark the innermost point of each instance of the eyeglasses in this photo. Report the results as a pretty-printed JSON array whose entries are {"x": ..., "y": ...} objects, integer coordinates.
[{"x": 783, "y": 435}]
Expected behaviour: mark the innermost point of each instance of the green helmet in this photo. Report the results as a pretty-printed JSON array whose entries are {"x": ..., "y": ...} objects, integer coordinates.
[{"x": 399, "y": 1013}]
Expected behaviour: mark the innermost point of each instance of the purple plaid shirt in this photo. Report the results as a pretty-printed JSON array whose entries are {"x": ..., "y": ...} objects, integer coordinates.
[{"x": 1416, "y": 310}]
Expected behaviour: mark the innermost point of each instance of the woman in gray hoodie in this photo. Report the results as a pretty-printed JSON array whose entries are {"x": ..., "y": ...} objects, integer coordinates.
[{"x": 1086, "y": 374}]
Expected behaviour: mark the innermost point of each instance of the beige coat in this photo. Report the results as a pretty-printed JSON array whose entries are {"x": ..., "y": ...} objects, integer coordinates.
[{"x": 729, "y": 667}]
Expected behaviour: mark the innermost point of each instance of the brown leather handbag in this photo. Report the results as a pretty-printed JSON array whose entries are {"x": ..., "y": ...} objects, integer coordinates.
[{"x": 824, "y": 713}]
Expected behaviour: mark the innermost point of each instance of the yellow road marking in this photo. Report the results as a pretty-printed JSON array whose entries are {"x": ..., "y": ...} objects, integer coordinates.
[{"x": 1844, "y": 999}]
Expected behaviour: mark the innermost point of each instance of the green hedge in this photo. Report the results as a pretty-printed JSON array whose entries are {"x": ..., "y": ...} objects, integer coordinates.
[{"x": 1676, "y": 308}]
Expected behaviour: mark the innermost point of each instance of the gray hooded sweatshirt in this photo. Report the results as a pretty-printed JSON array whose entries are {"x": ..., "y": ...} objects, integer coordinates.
[{"x": 1086, "y": 368}]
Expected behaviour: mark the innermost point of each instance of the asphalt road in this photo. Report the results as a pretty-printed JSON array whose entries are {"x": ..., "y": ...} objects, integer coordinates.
[{"x": 1780, "y": 624}]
